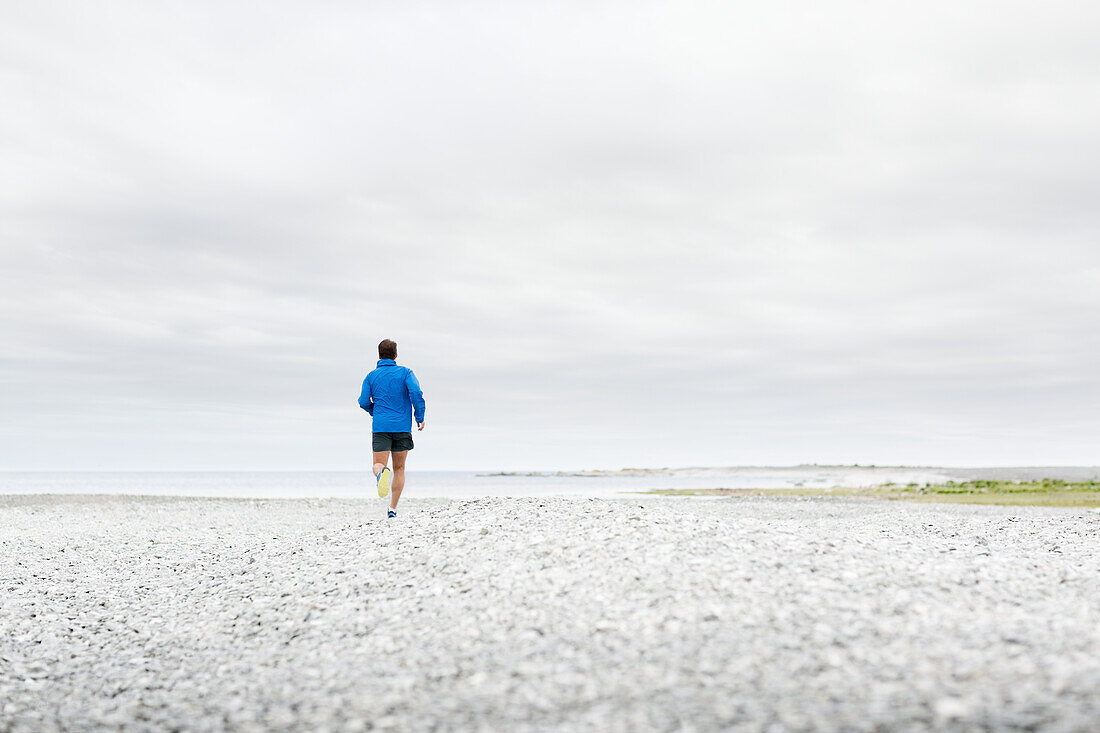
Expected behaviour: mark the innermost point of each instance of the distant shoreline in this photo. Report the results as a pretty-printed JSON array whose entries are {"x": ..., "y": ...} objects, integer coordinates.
[
  {"x": 466, "y": 485},
  {"x": 998, "y": 473}
]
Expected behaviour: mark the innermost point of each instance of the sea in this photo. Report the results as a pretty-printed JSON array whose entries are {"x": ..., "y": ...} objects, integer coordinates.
[{"x": 472, "y": 484}]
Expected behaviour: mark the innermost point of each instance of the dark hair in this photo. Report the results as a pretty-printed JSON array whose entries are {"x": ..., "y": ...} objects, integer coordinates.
[{"x": 387, "y": 349}]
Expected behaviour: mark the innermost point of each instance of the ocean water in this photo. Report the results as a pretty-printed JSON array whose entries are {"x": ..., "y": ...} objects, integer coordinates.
[
  {"x": 424, "y": 484},
  {"x": 469, "y": 484}
]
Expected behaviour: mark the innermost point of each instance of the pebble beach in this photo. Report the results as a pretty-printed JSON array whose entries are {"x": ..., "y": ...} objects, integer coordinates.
[{"x": 646, "y": 613}]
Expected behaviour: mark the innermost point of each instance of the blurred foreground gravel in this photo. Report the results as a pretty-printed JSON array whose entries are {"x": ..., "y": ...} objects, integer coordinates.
[{"x": 546, "y": 614}]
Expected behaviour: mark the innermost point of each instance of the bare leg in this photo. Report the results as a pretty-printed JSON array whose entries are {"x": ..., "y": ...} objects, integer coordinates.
[
  {"x": 381, "y": 458},
  {"x": 399, "y": 457}
]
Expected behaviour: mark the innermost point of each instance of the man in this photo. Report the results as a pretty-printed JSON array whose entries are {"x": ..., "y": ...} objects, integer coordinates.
[{"x": 389, "y": 394}]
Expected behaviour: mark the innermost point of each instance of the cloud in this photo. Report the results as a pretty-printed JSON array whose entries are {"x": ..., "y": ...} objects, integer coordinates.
[{"x": 602, "y": 234}]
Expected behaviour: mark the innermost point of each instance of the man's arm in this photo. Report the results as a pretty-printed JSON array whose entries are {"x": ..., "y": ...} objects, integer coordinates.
[
  {"x": 364, "y": 398},
  {"x": 417, "y": 397}
]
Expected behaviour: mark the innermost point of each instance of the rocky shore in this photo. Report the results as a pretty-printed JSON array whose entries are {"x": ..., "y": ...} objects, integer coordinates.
[{"x": 546, "y": 614}]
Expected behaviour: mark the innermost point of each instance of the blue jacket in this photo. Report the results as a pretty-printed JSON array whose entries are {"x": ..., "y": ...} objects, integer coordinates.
[{"x": 389, "y": 394}]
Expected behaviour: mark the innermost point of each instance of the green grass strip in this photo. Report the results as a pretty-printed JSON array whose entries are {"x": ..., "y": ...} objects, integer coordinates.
[{"x": 1045, "y": 492}]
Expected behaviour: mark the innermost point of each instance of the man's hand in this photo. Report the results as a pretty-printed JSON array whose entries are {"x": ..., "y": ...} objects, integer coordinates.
[{"x": 420, "y": 426}]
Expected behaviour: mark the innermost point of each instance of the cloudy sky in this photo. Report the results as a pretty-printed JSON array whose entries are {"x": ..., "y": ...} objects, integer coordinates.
[{"x": 603, "y": 234}]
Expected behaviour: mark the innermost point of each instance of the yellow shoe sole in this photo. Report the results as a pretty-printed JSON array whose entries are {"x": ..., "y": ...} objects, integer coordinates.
[{"x": 384, "y": 482}]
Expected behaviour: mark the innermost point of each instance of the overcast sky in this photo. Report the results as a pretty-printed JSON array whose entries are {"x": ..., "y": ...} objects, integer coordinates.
[{"x": 603, "y": 234}]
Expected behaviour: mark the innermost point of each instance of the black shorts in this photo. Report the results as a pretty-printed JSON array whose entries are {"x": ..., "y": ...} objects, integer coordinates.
[{"x": 393, "y": 441}]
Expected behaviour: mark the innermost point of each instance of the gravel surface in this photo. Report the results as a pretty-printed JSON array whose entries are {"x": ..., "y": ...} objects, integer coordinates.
[{"x": 546, "y": 614}]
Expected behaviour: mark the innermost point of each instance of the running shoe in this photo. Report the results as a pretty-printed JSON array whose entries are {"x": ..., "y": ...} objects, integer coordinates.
[{"x": 384, "y": 481}]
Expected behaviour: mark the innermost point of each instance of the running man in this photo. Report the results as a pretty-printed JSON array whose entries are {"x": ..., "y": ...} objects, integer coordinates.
[{"x": 389, "y": 394}]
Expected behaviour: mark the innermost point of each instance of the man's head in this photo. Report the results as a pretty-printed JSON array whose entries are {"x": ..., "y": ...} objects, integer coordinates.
[{"x": 387, "y": 349}]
